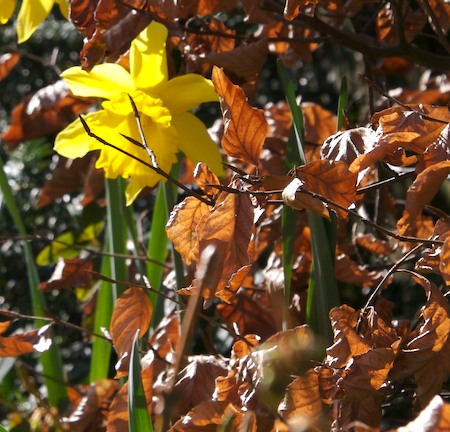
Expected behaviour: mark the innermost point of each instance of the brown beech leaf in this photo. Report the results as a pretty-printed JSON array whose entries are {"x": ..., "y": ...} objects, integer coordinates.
[
  {"x": 243, "y": 63},
  {"x": 245, "y": 126},
  {"x": 7, "y": 63},
  {"x": 118, "y": 411},
  {"x": 69, "y": 273},
  {"x": 182, "y": 226},
  {"x": 330, "y": 179},
  {"x": 205, "y": 177},
  {"x": 425, "y": 352},
  {"x": 196, "y": 382},
  {"x": 132, "y": 311},
  {"x": 89, "y": 413},
  {"x": 421, "y": 192},
  {"x": 208, "y": 415},
  {"x": 436, "y": 152},
  {"x": 435, "y": 417},
  {"x": 375, "y": 245},
  {"x": 69, "y": 175},
  {"x": 400, "y": 128},
  {"x": 348, "y": 271},
  {"x": 24, "y": 343},
  {"x": 48, "y": 111},
  {"x": 303, "y": 399},
  {"x": 250, "y": 314},
  {"x": 347, "y": 343}
]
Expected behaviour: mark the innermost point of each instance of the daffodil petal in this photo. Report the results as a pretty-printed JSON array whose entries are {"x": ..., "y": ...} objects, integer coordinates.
[
  {"x": 133, "y": 190},
  {"x": 74, "y": 142},
  {"x": 148, "y": 62},
  {"x": 6, "y": 10},
  {"x": 196, "y": 143},
  {"x": 103, "y": 81},
  {"x": 185, "y": 92},
  {"x": 31, "y": 14}
]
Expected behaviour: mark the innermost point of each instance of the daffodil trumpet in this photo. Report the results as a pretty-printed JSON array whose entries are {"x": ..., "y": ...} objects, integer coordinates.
[
  {"x": 162, "y": 104},
  {"x": 158, "y": 170}
]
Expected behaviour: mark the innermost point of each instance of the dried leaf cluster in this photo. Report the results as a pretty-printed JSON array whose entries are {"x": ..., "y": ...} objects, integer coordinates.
[{"x": 274, "y": 378}]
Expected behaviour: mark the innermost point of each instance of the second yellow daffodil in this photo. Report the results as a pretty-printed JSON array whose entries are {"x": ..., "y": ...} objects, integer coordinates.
[{"x": 163, "y": 105}]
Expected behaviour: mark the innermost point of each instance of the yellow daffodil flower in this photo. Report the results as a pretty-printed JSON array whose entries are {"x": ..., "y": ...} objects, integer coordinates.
[
  {"x": 163, "y": 107},
  {"x": 31, "y": 14}
]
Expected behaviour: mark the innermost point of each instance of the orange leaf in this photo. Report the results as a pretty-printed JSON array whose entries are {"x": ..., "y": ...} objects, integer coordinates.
[
  {"x": 32, "y": 341},
  {"x": 205, "y": 177},
  {"x": 245, "y": 127},
  {"x": 132, "y": 311},
  {"x": 348, "y": 271},
  {"x": 182, "y": 227},
  {"x": 426, "y": 350},
  {"x": 7, "y": 63},
  {"x": 303, "y": 398},
  {"x": 421, "y": 192},
  {"x": 69, "y": 273},
  {"x": 375, "y": 245}
]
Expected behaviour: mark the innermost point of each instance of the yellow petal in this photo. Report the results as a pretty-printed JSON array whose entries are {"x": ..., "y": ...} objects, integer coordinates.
[
  {"x": 185, "y": 92},
  {"x": 103, "y": 81},
  {"x": 31, "y": 14},
  {"x": 6, "y": 10},
  {"x": 196, "y": 143},
  {"x": 73, "y": 141},
  {"x": 148, "y": 62}
]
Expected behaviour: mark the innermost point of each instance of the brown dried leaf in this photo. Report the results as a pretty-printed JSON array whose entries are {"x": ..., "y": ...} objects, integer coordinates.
[
  {"x": 47, "y": 111},
  {"x": 68, "y": 175},
  {"x": 245, "y": 126},
  {"x": 132, "y": 312},
  {"x": 32, "y": 341},
  {"x": 182, "y": 227},
  {"x": 421, "y": 192},
  {"x": 69, "y": 273},
  {"x": 204, "y": 178},
  {"x": 435, "y": 417},
  {"x": 332, "y": 180},
  {"x": 207, "y": 416},
  {"x": 375, "y": 245},
  {"x": 118, "y": 411},
  {"x": 303, "y": 399},
  {"x": 348, "y": 271},
  {"x": 243, "y": 63},
  {"x": 426, "y": 350},
  {"x": 437, "y": 152},
  {"x": 196, "y": 382},
  {"x": 7, "y": 63},
  {"x": 89, "y": 413}
]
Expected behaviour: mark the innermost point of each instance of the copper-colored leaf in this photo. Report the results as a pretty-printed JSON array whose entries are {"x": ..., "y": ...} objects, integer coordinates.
[
  {"x": 421, "y": 192},
  {"x": 374, "y": 245},
  {"x": 32, "y": 341},
  {"x": 7, "y": 63},
  {"x": 196, "y": 382},
  {"x": 118, "y": 411},
  {"x": 348, "y": 271},
  {"x": 132, "y": 312},
  {"x": 69, "y": 273},
  {"x": 435, "y": 417},
  {"x": 89, "y": 414},
  {"x": 48, "y": 111},
  {"x": 426, "y": 350},
  {"x": 182, "y": 227},
  {"x": 205, "y": 177},
  {"x": 245, "y": 127},
  {"x": 207, "y": 416},
  {"x": 331, "y": 180},
  {"x": 67, "y": 177},
  {"x": 303, "y": 398}
]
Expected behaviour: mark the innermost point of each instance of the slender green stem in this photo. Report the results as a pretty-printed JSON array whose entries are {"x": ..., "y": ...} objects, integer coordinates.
[{"x": 51, "y": 359}]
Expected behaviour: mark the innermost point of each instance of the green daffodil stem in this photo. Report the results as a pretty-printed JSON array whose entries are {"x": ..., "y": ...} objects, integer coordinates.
[{"x": 51, "y": 359}]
